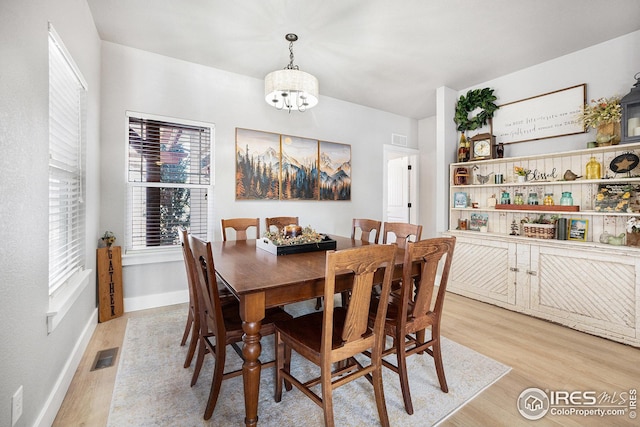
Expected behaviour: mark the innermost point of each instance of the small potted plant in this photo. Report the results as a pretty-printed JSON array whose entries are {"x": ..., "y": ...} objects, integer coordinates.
[
  {"x": 521, "y": 173},
  {"x": 633, "y": 231},
  {"x": 604, "y": 115},
  {"x": 108, "y": 238}
]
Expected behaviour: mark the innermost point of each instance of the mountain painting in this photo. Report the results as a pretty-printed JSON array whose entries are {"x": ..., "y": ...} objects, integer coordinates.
[
  {"x": 335, "y": 171},
  {"x": 299, "y": 168},
  {"x": 257, "y": 165},
  {"x": 270, "y": 166}
]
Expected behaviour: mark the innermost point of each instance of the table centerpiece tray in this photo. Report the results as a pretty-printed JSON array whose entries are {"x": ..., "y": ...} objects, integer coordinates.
[{"x": 264, "y": 243}]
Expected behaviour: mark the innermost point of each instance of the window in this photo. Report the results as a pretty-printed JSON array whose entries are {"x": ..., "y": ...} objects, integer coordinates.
[
  {"x": 168, "y": 172},
  {"x": 67, "y": 120}
]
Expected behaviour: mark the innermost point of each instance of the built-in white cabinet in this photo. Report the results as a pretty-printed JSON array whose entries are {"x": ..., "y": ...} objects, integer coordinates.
[{"x": 586, "y": 285}]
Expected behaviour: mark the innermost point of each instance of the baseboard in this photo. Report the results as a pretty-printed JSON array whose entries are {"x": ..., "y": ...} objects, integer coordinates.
[
  {"x": 54, "y": 401},
  {"x": 157, "y": 300}
]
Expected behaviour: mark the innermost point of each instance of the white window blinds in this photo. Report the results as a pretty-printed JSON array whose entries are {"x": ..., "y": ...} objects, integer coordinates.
[
  {"x": 67, "y": 118},
  {"x": 168, "y": 178}
]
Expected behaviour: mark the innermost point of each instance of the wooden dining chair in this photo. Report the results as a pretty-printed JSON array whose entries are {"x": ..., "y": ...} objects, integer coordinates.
[
  {"x": 337, "y": 334},
  {"x": 220, "y": 325},
  {"x": 192, "y": 326},
  {"x": 240, "y": 225},
  {"x": 403, "y": 233},
  {"x": 411, "y": 312},
  {"x": 365, "y": 227},
  {"x": 280, "y": 222}
]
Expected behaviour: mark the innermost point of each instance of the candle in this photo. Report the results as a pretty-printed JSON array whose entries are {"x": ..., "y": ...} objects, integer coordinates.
[
  {"x": 636, "y": 131},
  {"x": 632, "y": 126}
]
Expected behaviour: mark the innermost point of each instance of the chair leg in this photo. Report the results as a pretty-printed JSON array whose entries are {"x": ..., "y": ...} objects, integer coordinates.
[
  {"x": 280, "y": 362},
  {"x": 420, "y": 338},
  {"x": 216, "y": 382},
  {"x": 192, "y": 344},
  {"x": 199, "y": 360},
  {"x": 327, "y": 397},
  {"x": 187, "y": 328},
  {"x": 402, "y": 373},
  {"x": 318, "y": 303},
  {"x": 379, "y": 394},
  {"x": 437, "y": 357}
]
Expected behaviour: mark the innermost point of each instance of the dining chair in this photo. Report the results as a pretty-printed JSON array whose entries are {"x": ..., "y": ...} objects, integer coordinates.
[
  {"x": 412, "y": 312},
  {"x": 337, "y": 334},
  {"x": 280, "y": 222},
  {"x": 220, "y": 325},
  {"x": 192, "y": 326},
  {"x": 403, "y": 232},
  {"x": 366, "y": 227},
  {"x": 240, "y": 225}
]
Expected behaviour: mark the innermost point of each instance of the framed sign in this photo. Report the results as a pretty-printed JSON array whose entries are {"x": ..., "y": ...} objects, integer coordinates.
[
  {"x": 548, "y": 115},
  {"x": 578, "y": 229}
]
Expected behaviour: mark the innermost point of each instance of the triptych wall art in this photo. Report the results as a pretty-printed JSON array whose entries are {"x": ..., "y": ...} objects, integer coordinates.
[{"x": 270, "y": 166}]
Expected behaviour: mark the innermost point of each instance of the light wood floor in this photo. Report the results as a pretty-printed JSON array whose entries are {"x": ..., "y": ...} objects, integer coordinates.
[{"x": 542, "y": 355}]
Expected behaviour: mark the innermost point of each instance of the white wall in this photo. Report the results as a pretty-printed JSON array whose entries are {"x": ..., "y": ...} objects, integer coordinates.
[
  {"x": 30, "y": 357},
  {"x": 145, "y": 82}
]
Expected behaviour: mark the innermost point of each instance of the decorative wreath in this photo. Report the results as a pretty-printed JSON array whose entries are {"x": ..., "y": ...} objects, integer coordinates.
[{"x": 478, "y": 98}]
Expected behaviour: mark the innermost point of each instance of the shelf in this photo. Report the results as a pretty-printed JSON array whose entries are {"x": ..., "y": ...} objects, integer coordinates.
[
  {"x": 586, "y": 151},
  {"x": 554, "y": 211},
  {"x": 539, "y": 183},
  {"x": 544, "y": 208}
]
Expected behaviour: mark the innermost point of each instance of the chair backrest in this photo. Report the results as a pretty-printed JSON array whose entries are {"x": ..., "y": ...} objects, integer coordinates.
[
  {"x": 206, "y": 287},
  {"x": 417, "y": 306},
  {"x": 280, "y": 222},
  {"x": 403, "y": 232},
  {"x": 189, "y": 265},
  {"x": 240, "y": 225},
  {"x": 366, "y": 226},
  {"x": 359, "y": 265}
]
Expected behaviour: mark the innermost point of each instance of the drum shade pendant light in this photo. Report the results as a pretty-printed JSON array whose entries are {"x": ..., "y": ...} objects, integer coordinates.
[{"x": 290, "y": 88}]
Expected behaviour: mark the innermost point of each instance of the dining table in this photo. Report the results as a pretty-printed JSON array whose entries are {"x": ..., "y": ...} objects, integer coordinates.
[{"x": 260, "y": 279}]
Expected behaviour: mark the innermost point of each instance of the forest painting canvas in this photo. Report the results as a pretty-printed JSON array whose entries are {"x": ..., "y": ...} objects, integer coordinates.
[
  {"x": 335, "y": 171},
  {"x": 271, "y": 166},
  {"x": 257, "y": 165},
  {"x": 299, "y": 172}
]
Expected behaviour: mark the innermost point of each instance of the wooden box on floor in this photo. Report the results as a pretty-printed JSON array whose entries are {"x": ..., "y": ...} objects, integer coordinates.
[{"x": 110, "y": 304}]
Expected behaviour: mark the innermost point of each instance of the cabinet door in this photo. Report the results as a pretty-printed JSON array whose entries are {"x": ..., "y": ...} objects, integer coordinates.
[
  {"x": 590, "y": 291},
  {"x": 481, "y": 269}
]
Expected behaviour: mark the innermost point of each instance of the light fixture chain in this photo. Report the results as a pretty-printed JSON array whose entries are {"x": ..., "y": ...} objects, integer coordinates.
[{"x": 291, "y": 66}]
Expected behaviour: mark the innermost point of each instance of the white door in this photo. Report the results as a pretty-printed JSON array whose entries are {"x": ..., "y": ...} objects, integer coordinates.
[
  {"x": 400, "y": 196},
  {"x": 398, "y": 190}
]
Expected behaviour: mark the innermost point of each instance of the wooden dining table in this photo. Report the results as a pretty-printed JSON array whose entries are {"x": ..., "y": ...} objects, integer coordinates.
[{"x": 260, "y": 280}]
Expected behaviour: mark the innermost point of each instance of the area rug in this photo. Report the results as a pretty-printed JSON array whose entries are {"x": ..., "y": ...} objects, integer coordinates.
[{"x": 152, "y": 388}]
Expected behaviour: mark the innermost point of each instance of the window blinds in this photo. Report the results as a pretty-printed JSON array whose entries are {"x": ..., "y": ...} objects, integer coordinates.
[
  {"x": 169, "y": 176},
  {"x": 67, "y": 115}
]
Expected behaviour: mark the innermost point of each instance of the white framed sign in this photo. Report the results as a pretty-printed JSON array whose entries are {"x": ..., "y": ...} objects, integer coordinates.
[{"x": 548, "y": 115}]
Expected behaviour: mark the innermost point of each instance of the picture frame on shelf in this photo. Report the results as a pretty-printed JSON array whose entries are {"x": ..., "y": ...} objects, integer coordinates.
[
  {"x": 578, "y": 229},
  {"x": 481, "y": 146},
  {"x": 460, "y": 200},
  {"x": 479, "y": 221}
]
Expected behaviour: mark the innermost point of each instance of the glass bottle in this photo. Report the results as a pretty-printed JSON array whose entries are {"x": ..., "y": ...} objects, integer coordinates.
[
  {"x": 566, "y": 199},
  {"x": 593, "y": 169},
  {"x": 548, "y": 199},
  {"x": 505, "y": 199},
  {"x": 518, "y": 199},
  {"x": 462, "y": 149},
  {"x": 532, "y": 199}
]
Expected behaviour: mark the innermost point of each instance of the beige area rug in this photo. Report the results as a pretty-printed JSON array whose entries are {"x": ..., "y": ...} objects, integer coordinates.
[{"x": 152, "y": 388}]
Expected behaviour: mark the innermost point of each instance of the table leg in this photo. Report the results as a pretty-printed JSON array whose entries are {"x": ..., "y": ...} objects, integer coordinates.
[{"x": 252, "y": 311}]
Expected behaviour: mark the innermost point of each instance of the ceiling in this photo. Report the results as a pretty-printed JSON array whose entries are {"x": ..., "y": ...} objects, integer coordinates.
[{"x": 383, "y": 54}]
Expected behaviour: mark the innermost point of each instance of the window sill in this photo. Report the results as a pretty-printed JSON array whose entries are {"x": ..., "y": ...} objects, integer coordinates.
[
  {"x": 152, "y": 257},
  {"x": 63, "y": 298}
]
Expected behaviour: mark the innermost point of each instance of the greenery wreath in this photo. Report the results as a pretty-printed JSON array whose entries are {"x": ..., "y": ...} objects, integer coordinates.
[{"x": 478, "y": 98}]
